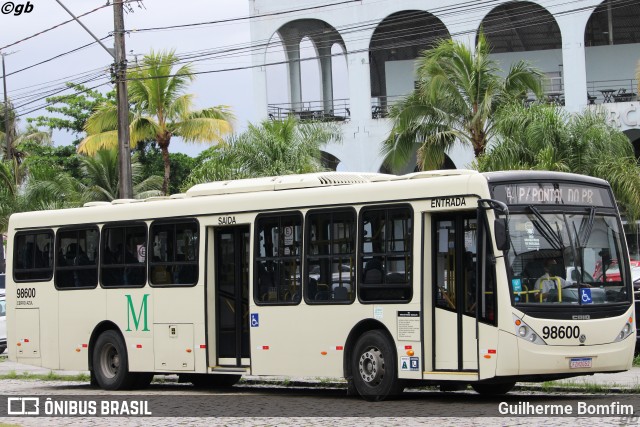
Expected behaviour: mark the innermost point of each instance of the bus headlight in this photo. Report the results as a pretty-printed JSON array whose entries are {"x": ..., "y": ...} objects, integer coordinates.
[
  {"x": 525, "y": 332},
  {"x": 626, "y": 330}
]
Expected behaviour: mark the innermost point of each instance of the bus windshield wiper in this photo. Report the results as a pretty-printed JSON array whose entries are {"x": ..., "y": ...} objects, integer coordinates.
[{"x": 545, "y": 229}]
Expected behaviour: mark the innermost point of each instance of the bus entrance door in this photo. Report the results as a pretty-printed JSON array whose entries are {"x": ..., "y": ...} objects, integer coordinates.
[
  {"x": 231, "y": 254},
  {"x": 453, "y": 263}
]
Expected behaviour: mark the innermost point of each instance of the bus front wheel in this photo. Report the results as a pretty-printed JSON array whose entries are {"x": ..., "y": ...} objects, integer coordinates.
[
  {"x": 110, "y": 364},
  {"x": 374, "y": 367}
]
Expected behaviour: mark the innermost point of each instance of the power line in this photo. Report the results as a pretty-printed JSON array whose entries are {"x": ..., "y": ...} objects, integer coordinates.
[{"x": 51, "y": 28}]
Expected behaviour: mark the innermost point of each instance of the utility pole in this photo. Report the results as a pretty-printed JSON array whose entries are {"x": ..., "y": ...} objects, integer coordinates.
[
  {"x": 120, "y": 70},
  {"x": 7, "y": 119},
  {"x": 124, "y": 149}
]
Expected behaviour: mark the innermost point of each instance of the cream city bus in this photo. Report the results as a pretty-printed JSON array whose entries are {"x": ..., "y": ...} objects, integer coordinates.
[{"x": 445, "y": 278}]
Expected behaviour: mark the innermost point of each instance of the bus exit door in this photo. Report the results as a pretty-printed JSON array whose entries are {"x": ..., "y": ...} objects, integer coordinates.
[{"x": 231, "y": 253}]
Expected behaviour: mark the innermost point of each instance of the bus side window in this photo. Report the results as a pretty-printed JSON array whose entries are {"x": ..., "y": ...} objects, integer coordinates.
[
  {"x": 77, "y": 266},
  {"x": 385, "y": 254},
  {"x": 277, "y": 258},
  {"x": 174, "y": 253},
  {"x": 32, "y": 259}
]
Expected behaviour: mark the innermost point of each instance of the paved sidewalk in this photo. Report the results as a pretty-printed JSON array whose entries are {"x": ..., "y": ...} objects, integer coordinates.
[{"x": 621, "y": 382}]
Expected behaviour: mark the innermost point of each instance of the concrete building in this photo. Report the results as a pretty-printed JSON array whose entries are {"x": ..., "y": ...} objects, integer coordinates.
[{"x": 347, "y": 61}]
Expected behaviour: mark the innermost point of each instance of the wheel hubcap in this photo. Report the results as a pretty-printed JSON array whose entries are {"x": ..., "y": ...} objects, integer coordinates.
[
  {"x": 371, "y": 366},
  {"x": 110, "y": 361}
]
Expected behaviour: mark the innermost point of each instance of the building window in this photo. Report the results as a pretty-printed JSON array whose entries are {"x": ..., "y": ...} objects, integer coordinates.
[
  {"x": 76, "y": 258},
  {"x": 385, "y": 254},
  {"x": 330, "y": 256},
  {"x": 173, "y": 252},
  {"x": 123, "y": 255},
  {"x": 33, "y": 256},
  {"x": 278, "y": 249}
]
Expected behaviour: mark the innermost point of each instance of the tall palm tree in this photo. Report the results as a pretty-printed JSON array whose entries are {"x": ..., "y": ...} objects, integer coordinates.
[
  {"x": 546, "y": 137},
  {"x": 31, "y": 134},
  {"x": 457, "y": 93},
  {"x": 161, "y": 110},
  {"x": 273, "y": 148}
]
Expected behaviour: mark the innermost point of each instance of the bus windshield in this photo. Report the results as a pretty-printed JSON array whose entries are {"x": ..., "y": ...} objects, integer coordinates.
[{"x": 566, "y": 258}]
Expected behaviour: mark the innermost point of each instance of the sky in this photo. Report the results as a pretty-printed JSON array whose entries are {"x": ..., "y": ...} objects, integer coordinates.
[{"x": 231, "y": 88}]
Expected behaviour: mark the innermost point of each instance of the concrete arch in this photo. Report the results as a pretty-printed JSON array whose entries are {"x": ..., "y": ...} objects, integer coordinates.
[
  {"x": 521, "y": 26},
  {"x": 613, "y": 22},
  {"x": 395, "y": 44},
  {"x": 289, "y": 36}
]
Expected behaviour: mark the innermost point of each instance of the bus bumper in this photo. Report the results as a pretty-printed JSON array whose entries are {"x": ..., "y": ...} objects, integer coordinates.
[{"x": 544, "y": 359}]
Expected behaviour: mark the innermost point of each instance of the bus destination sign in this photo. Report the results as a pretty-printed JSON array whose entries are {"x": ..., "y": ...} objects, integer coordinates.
[{"x": 556, "y": 193}]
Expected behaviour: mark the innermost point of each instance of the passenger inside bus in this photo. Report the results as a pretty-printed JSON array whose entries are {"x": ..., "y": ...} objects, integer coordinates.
[{"x": 550, "y": 280}]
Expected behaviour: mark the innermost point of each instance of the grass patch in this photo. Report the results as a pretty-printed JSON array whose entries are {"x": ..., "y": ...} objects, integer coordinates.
[
  {"x": 51, "y": 376},
  {"x": 636, "y": 360}
]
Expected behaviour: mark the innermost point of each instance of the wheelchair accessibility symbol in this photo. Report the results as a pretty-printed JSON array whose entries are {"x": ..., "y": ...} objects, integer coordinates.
[
  {"x": 255, "y": 320},
  {"x": 585, "y": 296}
]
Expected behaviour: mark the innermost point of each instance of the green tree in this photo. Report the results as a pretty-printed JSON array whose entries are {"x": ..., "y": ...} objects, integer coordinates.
[
  {"x": 458, "y": 92},
  {"x": 150, "y": 157},
  {"x": 100, "y": 172},
  {"x": 75, "y": 109},
  {"x": 273, "y": 148},
  {"x": 161, "y": 110},
  {"x": 30, "y": 134},
  {"x": 546, "y": 137}
]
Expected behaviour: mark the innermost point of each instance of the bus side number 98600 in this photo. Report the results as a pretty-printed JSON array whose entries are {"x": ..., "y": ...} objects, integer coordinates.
[
  {"x": 560, "y": 332},
  {"x": 26, "y": 293}
]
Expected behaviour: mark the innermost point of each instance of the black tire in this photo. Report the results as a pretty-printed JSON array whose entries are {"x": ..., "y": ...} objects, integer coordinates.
[
  {"x": 214, "y": 380},
  {"x": 493, "y": 389},
  {"x": 110, "y": 362},
  {"x": 374, "y": 367},
  {"x": 2, "y": 348}
]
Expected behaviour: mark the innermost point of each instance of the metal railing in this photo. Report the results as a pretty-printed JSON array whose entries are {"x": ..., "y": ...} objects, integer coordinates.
[
  {"x": 605, "y": 91},
  {"x": 336, "y": 111}
]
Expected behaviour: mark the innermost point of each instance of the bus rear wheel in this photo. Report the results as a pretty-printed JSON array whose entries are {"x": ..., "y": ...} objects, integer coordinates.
[
  {"x": 493, "y": 389},
  {"x": 374, "y": 367},
  {"x": 110, "y": 363}
]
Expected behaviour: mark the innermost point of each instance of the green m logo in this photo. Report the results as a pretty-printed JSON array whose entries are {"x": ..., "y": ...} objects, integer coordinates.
[{"x": 142, "y": 314}]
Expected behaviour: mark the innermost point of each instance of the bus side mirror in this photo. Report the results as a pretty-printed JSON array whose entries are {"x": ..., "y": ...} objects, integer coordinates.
[{"x": 502, "y": 234}]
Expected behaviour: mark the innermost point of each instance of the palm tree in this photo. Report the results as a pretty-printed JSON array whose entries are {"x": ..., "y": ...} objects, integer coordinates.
[
  {"x": 546, "y": 137},
  {"x": 31, "y": 134},
  {"x": 458, "y": 92},
  {"x": 101, "y": 174},
  {"x": 272, "y": 148},
  {"x": 160, "y": 110}
]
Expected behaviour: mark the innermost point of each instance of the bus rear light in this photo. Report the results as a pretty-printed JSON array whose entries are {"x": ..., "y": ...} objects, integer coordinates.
[
  {"x": 324, "y": 353},
  {"x": 138, "y": 345},
  {"x": 26, "y": 340},
  {"x": 203, "y": 346},
  {"x": 491, "y": 351},
  {"x": 19, "y": 344},
  {"x": 85, "y": 345},
  {"x": 487, "y": 356},
  {"x": 189, "y": 350},
  {"x": 339, "y": 347},
  {"x": 408, "y": 347},
  {"x": 410, "y": 353},
  {"x": 78, "y": 350},
  {"x": 265, "y": 347}
]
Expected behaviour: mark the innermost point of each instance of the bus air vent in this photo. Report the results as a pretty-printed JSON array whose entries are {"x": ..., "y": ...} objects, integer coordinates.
[{"x": 94, "y": 204}]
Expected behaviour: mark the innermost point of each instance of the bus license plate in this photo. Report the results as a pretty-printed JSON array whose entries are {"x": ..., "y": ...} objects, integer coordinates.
[{"x": 580, "y": 362}]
